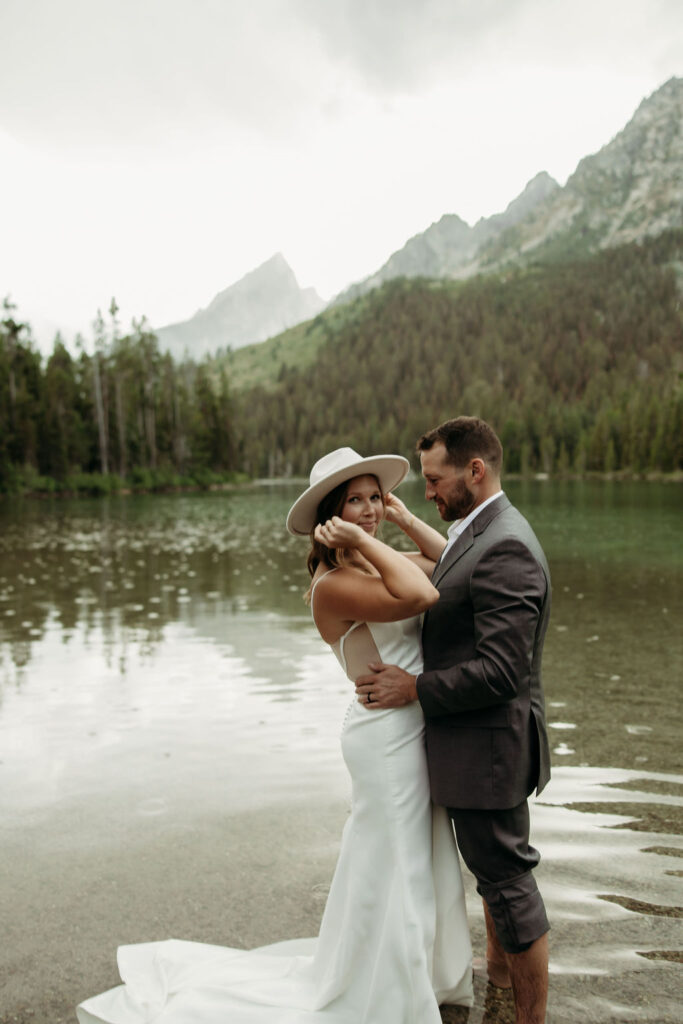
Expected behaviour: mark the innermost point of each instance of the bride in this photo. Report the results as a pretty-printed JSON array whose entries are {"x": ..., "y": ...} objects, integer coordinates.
[{"x": 393, "y": 943}]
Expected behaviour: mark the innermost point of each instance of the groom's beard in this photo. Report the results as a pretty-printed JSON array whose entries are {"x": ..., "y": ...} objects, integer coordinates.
[{"x": 458, "y": 504}]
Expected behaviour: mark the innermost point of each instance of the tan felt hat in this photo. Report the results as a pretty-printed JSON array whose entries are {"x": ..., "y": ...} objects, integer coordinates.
[{"x": 333, "y": 469}]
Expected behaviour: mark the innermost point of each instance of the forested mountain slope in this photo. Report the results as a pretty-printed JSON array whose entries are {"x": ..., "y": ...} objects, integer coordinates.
[{"x": 578, "y": 365}]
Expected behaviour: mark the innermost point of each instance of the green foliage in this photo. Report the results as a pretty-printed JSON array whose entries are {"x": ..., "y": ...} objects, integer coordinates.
[
  {"x": 270, "y": 362},
  {"x": 122, "y": 417},
  {"x": 93, "y": 484},
  {"x": 577, "y": 364}
]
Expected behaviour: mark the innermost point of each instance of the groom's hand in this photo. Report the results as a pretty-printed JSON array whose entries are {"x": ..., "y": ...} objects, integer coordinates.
[{"x": 386, "y": 686}]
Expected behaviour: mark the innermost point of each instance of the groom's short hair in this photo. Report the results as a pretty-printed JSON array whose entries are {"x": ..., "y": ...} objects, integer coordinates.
[{"x": 465, "y": 438}]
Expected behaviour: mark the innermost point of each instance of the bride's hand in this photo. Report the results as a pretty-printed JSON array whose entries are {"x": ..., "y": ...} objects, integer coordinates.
[
  {"x": 337, "y": 533},
  {"x": 396, "y": 512}
]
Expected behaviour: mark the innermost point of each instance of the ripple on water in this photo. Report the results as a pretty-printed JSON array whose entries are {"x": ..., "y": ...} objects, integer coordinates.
[
  {"x": 152, "y": 807},
  {"x": 611, "y": 897}
]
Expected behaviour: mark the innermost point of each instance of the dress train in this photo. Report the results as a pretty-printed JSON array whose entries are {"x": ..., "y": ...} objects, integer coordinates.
[{"x": 393, "y": 942}]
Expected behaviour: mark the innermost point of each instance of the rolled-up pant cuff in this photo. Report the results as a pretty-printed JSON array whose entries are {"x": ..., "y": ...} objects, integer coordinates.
[{"x": 517, "y": 910}]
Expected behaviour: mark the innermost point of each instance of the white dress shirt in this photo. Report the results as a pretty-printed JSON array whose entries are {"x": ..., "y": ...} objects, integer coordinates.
[{"x": 456, "y": 528}]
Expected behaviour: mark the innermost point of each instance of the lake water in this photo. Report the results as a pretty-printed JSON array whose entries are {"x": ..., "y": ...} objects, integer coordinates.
[{"x": 157, "y": 660}]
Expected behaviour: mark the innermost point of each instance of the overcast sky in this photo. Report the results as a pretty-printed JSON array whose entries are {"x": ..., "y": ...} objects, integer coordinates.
[{"x": 158, "y": 150}]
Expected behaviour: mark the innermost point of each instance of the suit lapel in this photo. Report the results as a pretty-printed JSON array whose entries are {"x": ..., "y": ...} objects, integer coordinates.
[
  {"x": 466, "y": 539},
  {"x": 457, "y": 549}
]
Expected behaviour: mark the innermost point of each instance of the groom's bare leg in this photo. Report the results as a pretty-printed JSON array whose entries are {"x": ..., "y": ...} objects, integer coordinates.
[
  {"x": 529, "y": 974},
  {"x": 495, "y": 846},
  {"x": 496, "y": 962}
]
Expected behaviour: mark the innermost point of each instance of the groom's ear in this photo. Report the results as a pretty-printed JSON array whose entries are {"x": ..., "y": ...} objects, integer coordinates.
[{"x": 477, "y": 470}]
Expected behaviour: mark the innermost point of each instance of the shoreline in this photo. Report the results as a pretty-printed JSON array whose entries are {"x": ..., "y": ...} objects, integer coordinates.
[{"x": 621, "y": 476}]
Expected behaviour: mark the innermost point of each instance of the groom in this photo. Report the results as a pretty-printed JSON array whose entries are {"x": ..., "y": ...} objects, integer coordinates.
[{"x": 481, "y": 694}]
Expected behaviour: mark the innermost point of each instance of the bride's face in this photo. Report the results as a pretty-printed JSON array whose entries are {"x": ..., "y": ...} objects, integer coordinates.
[{"x": 364, "y": 504}]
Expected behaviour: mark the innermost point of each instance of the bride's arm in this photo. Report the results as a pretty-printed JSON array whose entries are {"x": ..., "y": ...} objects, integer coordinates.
[
  {"x": 429, "y": 541},
  {"x": 400, "y": 590}
]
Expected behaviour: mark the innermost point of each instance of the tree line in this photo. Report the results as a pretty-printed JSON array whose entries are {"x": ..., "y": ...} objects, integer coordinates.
[
  {"x": 123, "y": 415},
  {"x": 578, "y": 365}
]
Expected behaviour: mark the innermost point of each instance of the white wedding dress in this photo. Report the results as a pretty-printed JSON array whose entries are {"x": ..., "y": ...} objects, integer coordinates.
[{"x": 394, "y": 941}]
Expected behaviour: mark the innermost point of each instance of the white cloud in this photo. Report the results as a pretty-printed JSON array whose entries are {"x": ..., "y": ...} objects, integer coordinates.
[
  {"x": 153, "y": 73},
  {"x": 157, "y": 150}
]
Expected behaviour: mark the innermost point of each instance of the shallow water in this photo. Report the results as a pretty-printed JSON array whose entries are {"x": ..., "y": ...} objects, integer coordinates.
[{"x": 156, "y": 657}]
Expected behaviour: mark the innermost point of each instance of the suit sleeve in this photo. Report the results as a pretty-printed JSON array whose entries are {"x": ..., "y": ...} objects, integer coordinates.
[{"x": 507, "y": 588}]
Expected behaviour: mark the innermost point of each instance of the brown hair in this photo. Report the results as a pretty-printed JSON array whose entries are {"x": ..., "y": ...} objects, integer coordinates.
[
  {"x": 331, "y": 505},
  {"x": 465, "y": 438}
]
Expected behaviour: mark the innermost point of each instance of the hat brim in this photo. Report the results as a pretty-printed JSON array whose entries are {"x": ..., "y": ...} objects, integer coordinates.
[{"x": 390, "y": 470}]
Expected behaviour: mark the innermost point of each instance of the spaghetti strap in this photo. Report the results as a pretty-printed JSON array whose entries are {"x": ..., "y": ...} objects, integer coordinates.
[{"x": 314, "y": 585}]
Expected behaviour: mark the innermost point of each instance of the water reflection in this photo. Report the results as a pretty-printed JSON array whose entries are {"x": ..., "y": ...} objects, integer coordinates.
[
  {"x": 158, "y": 668},
  {"x": 613, "y": 901},
  {"x": 105, "y": 725},
  {"x": 118, "y": 574}
]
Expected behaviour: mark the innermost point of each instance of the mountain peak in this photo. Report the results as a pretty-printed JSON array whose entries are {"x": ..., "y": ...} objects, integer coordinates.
[
  {"x": 277, "y": 264},
  {"x": 633, "y": 187},
  {"x": 670, "y": 92},
  {"x": 275, "y": 273},
  {"x": 264, "y": 302},
  {"x": 535, "y": 191},
  {"x": 450, "y": 247}
]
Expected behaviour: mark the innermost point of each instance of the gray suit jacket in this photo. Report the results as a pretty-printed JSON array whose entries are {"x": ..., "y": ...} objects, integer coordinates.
[{"x": 481, "y": 693}]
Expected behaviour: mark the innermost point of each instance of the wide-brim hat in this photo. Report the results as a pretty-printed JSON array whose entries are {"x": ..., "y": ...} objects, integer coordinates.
[{"x": 333, "y": 469}]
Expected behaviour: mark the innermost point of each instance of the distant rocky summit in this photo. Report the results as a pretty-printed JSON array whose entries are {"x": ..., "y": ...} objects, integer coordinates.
[
  {"x": 450, "y": 247},
  {"x": 631, "y": 189},
  {"x": 263, "y": 303}
]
